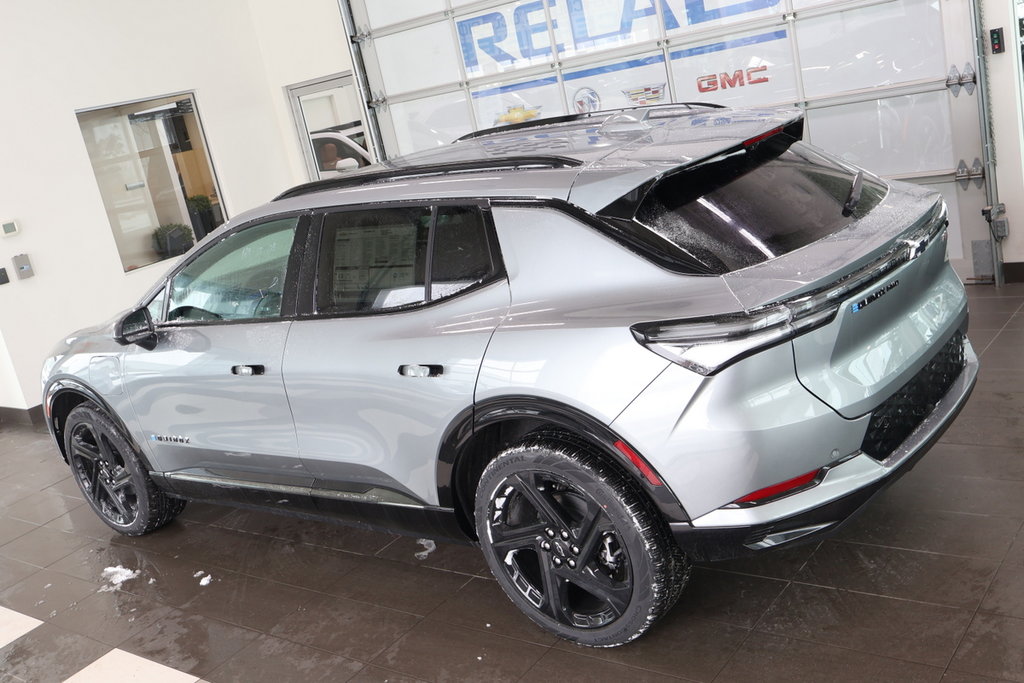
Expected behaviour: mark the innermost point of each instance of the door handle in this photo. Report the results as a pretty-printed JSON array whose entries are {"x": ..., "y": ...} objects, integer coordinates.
[
  {"x": 247, "y": 370},
  {"x": 414, "y": 370}
]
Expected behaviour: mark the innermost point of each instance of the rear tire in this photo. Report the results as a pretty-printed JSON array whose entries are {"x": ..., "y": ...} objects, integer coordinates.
[
  {"x": 111, "y": 476},
  {"x": 575, "y": 544}
]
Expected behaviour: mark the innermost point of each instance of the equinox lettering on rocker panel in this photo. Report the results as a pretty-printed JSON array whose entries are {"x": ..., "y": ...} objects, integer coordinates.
[
  {"x": 874, "y": 296},
  {"x": 169, "y": 439}
]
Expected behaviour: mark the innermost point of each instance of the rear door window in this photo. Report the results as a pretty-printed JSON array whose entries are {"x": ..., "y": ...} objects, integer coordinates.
[
  {"x": 392, "y": 258},
  {"x": 752, "y": 205}
]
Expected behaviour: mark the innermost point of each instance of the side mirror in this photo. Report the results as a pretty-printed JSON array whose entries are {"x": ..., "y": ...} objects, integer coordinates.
[
  {"x": 136, "y": 327},
  {"x": 346, "y": 164}
]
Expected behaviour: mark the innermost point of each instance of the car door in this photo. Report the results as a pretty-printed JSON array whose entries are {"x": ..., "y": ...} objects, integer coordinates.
[
  {"x": 406, "y": 301},
  {"x": 210, "y": 396}
]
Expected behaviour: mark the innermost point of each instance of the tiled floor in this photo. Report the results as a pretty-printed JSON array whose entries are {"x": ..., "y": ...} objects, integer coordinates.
[{"x": 927, "y": 585}]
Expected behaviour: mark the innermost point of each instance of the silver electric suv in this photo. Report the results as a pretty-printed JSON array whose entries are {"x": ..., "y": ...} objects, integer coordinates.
[{"x": 599, "y": 346}]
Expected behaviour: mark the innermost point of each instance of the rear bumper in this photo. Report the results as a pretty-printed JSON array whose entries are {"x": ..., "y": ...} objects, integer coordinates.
[{"x": 728, "y": 533}]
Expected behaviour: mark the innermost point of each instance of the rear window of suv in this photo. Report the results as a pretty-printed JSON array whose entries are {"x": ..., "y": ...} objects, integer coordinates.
[{"x": 751, "y": 205}]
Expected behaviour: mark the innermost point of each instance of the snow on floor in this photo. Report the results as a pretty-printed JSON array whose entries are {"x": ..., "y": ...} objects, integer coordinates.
[{"x": 428, "y": 547}]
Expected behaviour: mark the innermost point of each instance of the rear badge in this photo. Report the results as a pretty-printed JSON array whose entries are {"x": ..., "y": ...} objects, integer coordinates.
[{"x": 874, "y": 296}]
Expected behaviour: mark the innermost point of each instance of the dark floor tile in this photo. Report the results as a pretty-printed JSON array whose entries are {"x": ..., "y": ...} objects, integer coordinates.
[
  {"x": 217, "y": 547},
  {"x": 377, "y": 674},
  {"x": 49, "y": 653},
  {"x": 1010, "y": 289},
  {"x": 298, "y": 564},
  {"x": 999, "y": 380},
  {"x": 89, "y": 563},
  {"x": 783, "y": 563},
  {"x": 1016, "y": 322},
  {"x": 189, "y": 642},
  {"x": 43, "y": 594},
  {"x": 939, "y": 531},
  {"x": 738, "y": 599},
  {"x": 1003, "y": 304},
  {"x": 980, "y": 339},
  {"x": 958, "y": 494},
  {"x": 40, "y": 477},
  {"x": 678, "y": 645},
  {"x": 204, "y": 513},
  {"x": 909, "y": 574},
  {"x": 451, "y": 557},
  {"x": 962, "y": 460},
  {"x": 765, "y": 658},
  {"x": 993, "y": 646},
  {"x": 963, "y": 677},
  {"x": 11, "y": 529},
  {"x": 351, "y": 629},
  {"x": 1006, "y": 594},
  {"x": 82, "y": 521},
  {"x": 481, "y": 604},
  {"x": 67, "y": 487},
  {"x": 168, "y": 540},
  {"x": 899, "y": 629},
  {"x": 986, "y": 430},
  {"x": 42, "y": 508},
  {"x": 13, "y": 571},
  {"x": 1007, "y": 404},
  {"x": 172, "y": 581},
  {"x": 434, "y": 651},
  {"x": 1015, "y": 556},
  {"x": 272, "y": 660},
  {"x": 306, "y": 531},
  {"x": 417, "y": 590},
  {"x": 42, "y": 546},
  {"x": 559, "y": 665},
  {"x": 112, "y": 617},
  {"x": 248, "y": 601},
  {"x": 989, "y": 320}
]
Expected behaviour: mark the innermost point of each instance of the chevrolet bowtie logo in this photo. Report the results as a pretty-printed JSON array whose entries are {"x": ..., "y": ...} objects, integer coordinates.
[{"x": 915, "y": 248}]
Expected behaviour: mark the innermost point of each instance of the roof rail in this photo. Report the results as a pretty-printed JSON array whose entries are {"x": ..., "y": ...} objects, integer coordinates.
[
  {"x": 577, "y": 117},
  {"x": 399, "y": 172}
]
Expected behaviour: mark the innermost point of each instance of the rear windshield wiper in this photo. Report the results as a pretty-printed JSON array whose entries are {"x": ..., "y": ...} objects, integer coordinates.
[{"x": 854, "y": 197}]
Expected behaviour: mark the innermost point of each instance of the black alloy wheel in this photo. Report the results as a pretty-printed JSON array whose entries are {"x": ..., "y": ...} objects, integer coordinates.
[
  {"x": 575, "y": 545},
  {"x": 111, "y": 476}
]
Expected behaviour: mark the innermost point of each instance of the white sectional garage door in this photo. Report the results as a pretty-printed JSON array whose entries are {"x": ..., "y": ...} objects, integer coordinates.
[{"x": 872, "y": 76}]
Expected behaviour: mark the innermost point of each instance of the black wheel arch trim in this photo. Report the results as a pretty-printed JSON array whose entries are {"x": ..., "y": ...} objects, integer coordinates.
[
  {"x": 69, "y": 385},
  {"x": 515, "y": 407}
]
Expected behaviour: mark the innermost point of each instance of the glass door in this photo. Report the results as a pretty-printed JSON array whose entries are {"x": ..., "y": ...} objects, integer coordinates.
[{"x": 329, "y": 117}]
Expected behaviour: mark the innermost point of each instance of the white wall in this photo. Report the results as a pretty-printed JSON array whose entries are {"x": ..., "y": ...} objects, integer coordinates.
[
  {"x": 65, "y": 55},
  {"x": 1007, "y": 121}
]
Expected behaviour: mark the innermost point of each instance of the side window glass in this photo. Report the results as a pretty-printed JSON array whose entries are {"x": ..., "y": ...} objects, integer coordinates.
[
  {"x": 240, "y": 278},
  {"x": 461, "y": 257},
  {"x": 156, "y": 306},
  {"x": 373, "y": 260}
]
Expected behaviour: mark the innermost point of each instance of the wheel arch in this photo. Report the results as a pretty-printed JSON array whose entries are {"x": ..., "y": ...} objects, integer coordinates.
[
  {"x": 64, "y": 395},
  {"x": 478, "y": 434}
]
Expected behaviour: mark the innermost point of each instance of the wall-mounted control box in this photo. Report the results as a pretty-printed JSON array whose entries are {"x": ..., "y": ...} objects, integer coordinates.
[
  {"x": 3, "y": 276},
  {"x": 22, "y": 266},
  {"x": 996, "y": 36},
  {"x": 8, "y": 228}
]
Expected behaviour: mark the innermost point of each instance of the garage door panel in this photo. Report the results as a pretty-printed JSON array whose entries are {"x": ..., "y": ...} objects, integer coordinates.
[
  {"x": 889, "y": 136},
  {"x": 516, "y": 101},
  {"x": 428, "y": 122},
  {"x": 436, "y": 62},
  {"x": 586, "y": 26},
  {"x": 752, "y": 68},
  {"x": 626, "y": 82},
  {"x": 684, "y": 16},
  {"x": 887, "y": 44}
]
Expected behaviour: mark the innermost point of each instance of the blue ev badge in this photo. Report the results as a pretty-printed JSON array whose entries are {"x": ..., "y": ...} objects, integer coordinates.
[{"x": 874, "y": 296}]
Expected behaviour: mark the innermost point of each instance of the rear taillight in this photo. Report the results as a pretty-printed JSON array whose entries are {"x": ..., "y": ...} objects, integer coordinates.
[
  {"x": 709, "y": 344},
  {"x": 774, "y": 491}
]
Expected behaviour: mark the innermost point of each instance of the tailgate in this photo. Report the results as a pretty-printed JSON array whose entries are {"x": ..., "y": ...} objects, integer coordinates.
[{"x": 885, "y": 332}]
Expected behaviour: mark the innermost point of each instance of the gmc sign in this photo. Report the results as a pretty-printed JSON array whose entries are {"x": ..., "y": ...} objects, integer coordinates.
[{"x": 737, "y": 79}]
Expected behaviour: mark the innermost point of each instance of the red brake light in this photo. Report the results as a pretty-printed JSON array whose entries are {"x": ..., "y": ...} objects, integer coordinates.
[
  {"x": 639, "y": 463},
  {"x": 763, "y": 136},
  {"x": 780, "y": 488}
]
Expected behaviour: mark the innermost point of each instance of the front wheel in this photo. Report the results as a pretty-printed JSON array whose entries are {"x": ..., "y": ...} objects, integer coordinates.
[
  {"x": 112, "y": 477},
  {"x": 575, "y": 544}
]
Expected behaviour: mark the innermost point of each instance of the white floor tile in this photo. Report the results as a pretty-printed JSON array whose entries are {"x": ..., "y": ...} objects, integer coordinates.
[
  {"x": 14, "y": 625},
  {"x": 124, "y": 667}
]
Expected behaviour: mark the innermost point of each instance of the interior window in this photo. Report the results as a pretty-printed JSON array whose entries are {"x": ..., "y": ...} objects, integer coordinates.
[
  {"x": 156, "y": 306},
  {"x": 240, "y": 278},
  {"x": 378, "y": 260}
]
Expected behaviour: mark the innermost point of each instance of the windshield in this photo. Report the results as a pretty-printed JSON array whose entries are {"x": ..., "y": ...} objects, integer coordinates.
[{"x": 754, "y": 204}]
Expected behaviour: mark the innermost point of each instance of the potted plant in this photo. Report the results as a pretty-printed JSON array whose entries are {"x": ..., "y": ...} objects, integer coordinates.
[
  {"x": 200, "y": 212},
  {"x": 172, "y": 239}
]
